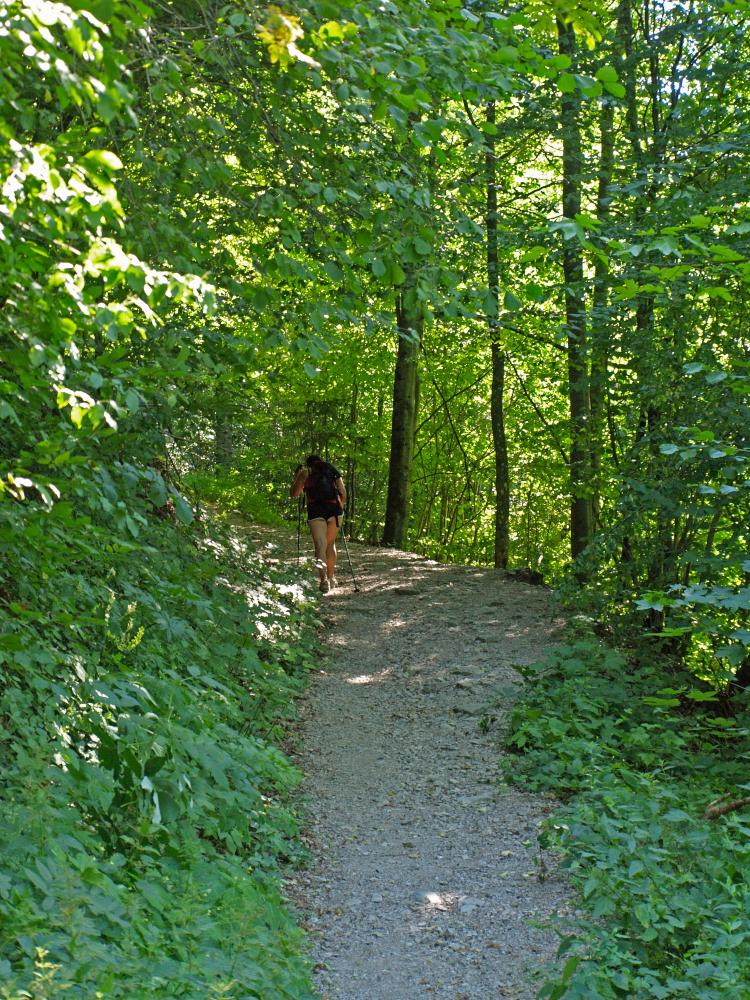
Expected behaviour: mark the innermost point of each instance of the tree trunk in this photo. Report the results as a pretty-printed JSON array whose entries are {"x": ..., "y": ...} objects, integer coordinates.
[
  {"x": 351, "y": 463},
  {"x": 223, "y": 441},
  {"x": 575, "y": 316},
  {"x": 497, "y": 407},
  {"x": 502, "y": 479},
  {"x": 404, "y": 420},
  {"x": 600, "y": 338}
]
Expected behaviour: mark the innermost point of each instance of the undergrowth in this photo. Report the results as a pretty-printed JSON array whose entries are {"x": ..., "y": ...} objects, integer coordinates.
[
  {"x": 147, "y": 674},
  {"x": 637, "y": 754},
  {"x": 235, "y": 490}
]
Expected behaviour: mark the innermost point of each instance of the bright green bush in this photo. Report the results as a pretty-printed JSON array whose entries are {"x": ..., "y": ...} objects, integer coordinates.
[
  {"x": 638, "y": 758},
  {"x": 230, "y": 490}
]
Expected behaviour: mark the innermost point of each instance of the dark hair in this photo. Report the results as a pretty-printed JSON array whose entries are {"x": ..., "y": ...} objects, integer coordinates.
[{"x": 312, "y": 459}]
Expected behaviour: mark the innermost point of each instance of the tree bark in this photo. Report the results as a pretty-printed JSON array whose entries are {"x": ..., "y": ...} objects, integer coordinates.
[
  {"x": 223, "y": 441},
  {"x": 575, "y": 316},
  {"x": 409, "y": 322},
  {"x": 497, "y": 402}
]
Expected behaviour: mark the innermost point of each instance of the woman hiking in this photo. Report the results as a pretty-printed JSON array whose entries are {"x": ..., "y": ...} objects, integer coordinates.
[{"x": 325, "y": 495}]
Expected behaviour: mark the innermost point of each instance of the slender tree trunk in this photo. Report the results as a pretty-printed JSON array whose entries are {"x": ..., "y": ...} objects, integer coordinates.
[
  {"x": 223, "y": 441},
  {"x": 443, "y": 513},
  {"x": 404, "y": 420},
  {"x": 351, "y": 469},
  {"x": 575, "y": 315},
  {"x": 600, "y": 337},
  {"x": 497, "y": 402},
  {"x": 646, "y": 162},
  {"x": 502, "y": 478}
]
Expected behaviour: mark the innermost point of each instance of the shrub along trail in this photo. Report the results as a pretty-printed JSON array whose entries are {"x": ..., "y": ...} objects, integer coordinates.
[{"x": 428, "y": 876}]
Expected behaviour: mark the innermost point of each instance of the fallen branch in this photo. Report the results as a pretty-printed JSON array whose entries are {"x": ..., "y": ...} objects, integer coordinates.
[{"x": 720, "y": 808}]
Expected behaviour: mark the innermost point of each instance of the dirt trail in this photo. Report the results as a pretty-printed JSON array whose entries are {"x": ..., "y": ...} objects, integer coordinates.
[{"x": 429, "y": 876}]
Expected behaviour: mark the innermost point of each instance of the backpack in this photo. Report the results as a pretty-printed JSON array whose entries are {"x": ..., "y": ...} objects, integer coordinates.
[{"x": 321, "y": 486}]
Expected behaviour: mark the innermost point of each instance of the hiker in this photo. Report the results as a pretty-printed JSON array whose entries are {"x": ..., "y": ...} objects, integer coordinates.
[{"x": 325, "y": 495}]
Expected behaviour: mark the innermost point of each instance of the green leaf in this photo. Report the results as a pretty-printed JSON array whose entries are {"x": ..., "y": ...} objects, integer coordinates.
[
  {"x": 398, "y": 275},
  {"x": 8, "y": 413},
  {"x": 566, "y": 82},
  {"x": 511, "y": 302},
  {"x": 532, "y": 254},
  {"x": 733, "y": 654},
  {"x": 607, "y": 74},
  {"x": 104, "y": 158},
  {"x": 398, "y": 115},
  {"x": 333, "y": 271},
  {"x": 183, "y": 509},
  {"x": 570, "y": 967},
  {"x": 677, "y": 816},
  {"x": 696, "y": 695},
  {"x": 667, "y": 245},
  {"x": 615, "y": 89}
]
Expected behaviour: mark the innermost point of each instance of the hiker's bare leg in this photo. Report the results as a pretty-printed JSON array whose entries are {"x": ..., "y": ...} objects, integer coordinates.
[
  {"x": 331, "y": 554},
  {"x": 318, "y": 530}
]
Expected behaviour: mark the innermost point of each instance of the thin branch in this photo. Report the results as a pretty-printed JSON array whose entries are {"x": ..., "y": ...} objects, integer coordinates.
[
  {"x": 719, "y": 808},
  {"x": 538, "y": 412},
  {"x": 458, "y": 392}
]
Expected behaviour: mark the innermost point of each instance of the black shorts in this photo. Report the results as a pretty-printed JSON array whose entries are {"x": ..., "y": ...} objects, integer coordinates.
[{"x": 324, "y": 510}]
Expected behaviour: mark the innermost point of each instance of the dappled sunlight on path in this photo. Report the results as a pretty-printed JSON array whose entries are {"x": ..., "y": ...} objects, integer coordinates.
[{"x": 428, "y": 871}]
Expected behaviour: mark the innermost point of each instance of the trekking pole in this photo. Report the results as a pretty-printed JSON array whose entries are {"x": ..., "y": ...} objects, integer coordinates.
[
  {"x": 351, "y": 568},
  {"x": 299, "y": 527}
]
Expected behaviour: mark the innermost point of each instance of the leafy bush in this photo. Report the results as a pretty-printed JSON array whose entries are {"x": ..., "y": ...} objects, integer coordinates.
[
  {"x": 639, "y": 761},
  {"x": 144, "y": 807}
]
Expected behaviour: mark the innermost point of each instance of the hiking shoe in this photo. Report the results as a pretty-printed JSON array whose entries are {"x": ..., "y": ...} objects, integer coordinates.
[{"x": 324, "y": 586}]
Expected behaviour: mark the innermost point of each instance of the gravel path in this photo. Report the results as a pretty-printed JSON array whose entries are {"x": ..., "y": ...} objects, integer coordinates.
[{"x": 429, "y": 879}]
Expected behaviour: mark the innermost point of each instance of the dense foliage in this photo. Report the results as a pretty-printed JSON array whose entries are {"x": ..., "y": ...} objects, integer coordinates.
[
  {"x": 147, "y": 665},
  {"x": 145, "y": 806},
  {"x": 664, "y": 886}
]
